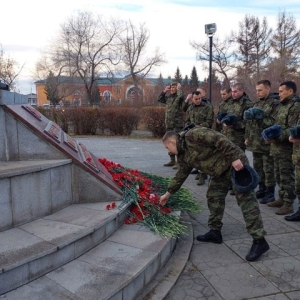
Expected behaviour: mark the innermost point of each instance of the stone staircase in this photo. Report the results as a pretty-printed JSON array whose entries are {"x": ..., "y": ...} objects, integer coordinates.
[{"x": 57, "y": 240}]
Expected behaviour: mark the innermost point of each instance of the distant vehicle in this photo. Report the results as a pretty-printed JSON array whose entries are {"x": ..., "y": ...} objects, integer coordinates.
[
  {"x": 58, "y": 106},
  {"x": 46, "y": 106}
]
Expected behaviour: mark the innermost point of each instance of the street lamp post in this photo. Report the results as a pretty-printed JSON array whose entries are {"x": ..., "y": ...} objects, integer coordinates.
[{"x": 210, "y": 30}]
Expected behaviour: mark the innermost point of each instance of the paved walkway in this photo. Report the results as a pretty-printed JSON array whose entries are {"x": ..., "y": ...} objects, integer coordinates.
[{"x": 214, "y": 271}]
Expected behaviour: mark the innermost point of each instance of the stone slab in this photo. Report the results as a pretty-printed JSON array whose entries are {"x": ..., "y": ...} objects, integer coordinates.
[
  {"x": 82, "y": 216},
  {"x": 50, "y": 132},
  {"x": 30, "y": 196},
  {"x": 243, "y": 281},
  {"x": 118, "y": 257},
  {"x": 6, "y": 219},
  {"x": 18, "y": 247},
  {"x": 141, "y": 240},
  {"x": 42, "y": 288},
  {"x": 17, "y": 168},
  {"x": 54, "y": 232}
]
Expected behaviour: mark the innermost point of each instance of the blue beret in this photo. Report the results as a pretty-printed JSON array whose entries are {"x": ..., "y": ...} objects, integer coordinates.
[
  {"x": 220, "y": 116},
  {"x": 295, "y": 132},
  {"x": 248, "y": 114},
  {"x": 258, "y": 113},
  {"x": 229, "y": 119},
  {"x": 254, "y": 113},
  {"x": 244, "y": 180},
  {"x": 272, "y": 132}
]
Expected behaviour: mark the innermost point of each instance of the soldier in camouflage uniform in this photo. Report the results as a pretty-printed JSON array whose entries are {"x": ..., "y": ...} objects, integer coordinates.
[
  {"x": 240, "y": 102},
  {"x": 201, "y": 114},
  {"x": 295, "y": 139},
  {"x": 224, "y": 105},
  {"x": 173, "y": 97},
  {"x": 211, "y": 152},
  {"x": 256, "y": 122},
  {"x": 286, "y": 116}
]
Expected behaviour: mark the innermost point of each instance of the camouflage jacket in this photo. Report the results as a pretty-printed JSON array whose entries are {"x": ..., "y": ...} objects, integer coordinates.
[
  {"x": 207, "y": 150},
  {"x": 237, "y": 107},
  {"x": 201, "y": 115},
  {"x": 174, "y": 104},
  {"x": 286, "y": 115},
  {"x": 296, "y": 151},
  {"x": 254, "y": 128},
  {"x": 223, "y": 108}
]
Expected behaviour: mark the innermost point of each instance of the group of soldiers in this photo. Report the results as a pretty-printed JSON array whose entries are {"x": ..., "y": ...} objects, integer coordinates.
[{"x": 263, "y": 127}]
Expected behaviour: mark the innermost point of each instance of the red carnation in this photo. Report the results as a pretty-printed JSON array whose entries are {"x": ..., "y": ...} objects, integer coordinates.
[
  {"x": 108, "y": 206},
  {"x": 89, "y": 159},
  {"x": 114, "y": 204}
]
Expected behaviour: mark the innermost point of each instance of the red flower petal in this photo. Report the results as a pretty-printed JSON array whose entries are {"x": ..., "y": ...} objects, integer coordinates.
[{"x": 108, "y": 206}]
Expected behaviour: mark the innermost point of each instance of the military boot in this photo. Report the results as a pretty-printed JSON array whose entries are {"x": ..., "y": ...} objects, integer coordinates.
[
  {"x": 260, "y": 193},
  {"x": 258, "y": 248},
  {"x": 294, "y": 217},
  {"x": 201, "y": 179},
  {"x": 285, "y": 209},
  {"x": 213, "y": 236},
  {"x": 172, "y": 161},
  {"x": 278, "y": 203},
  {"x": 175, "y": 167},
  {"x": 269, "y": 196}
]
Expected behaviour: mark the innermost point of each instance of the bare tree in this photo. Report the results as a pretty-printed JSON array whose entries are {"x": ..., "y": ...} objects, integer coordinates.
[
  {"x": 222, "y": 56},
  {"x": 57, "y": 86},
  {"x": 86, "y": 47},
  {"x": 286, "y": 46},
  {"x": 246, "y": 48},
  {"x": 261, "y": 37},
  {"x": 9, "y": 70},
  {"x": 134, "y": 42}
]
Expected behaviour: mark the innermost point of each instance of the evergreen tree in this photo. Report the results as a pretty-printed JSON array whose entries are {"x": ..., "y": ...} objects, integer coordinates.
[
  {"x": 51, "y": 89},
  {"x": 177, "y": 76},
  {"x": 194, "y": 79}
]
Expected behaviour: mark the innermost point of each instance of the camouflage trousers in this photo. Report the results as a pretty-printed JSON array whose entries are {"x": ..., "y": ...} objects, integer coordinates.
[
  {"x": 263, "y": 163},
  {"x": 216, "y": 194},
  {"x": 285, "y": 178}
]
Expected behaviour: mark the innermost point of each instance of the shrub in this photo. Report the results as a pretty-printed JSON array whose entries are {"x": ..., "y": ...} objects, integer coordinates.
[
  {"x": 84, "y": 120},
  {"x": 119, "y": 120},
  {"x": 154, "y": 118}
]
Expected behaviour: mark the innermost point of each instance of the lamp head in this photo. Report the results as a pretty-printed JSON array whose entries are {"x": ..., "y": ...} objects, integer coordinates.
[{"x": 210, "y": 29}]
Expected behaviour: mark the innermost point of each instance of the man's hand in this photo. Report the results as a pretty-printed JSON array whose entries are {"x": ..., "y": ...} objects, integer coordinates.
[
  {"x": 237, "y": 165},
  {"x": 167, "y": 89},
  {"x": 246, "y": 142},
  {"x": 270, "y": 141},
  {"x": 189, "y": 98},
  {"x": 227, "y": 126},
  {"x": 294, "y": 141},
  {"x": 178, "y": 86},
  {"x": 164, "y": 198}
]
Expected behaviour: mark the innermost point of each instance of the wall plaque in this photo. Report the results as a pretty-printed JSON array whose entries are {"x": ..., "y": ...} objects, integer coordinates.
[
  {"x": 54, "y": 131},
  {"x": 32, "y": 111}
]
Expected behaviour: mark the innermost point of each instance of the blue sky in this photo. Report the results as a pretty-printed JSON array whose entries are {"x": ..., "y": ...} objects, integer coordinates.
[{"x": 172, "y": 24}]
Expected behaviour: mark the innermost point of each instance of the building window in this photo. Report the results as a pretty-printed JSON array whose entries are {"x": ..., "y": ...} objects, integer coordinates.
[{"x": 107, "y": 96}]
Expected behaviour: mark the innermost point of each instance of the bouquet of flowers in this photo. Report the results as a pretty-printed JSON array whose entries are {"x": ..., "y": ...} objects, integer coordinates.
[{"x": 141, "y": 190}]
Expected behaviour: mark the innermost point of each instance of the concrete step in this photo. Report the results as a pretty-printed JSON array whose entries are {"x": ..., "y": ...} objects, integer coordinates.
[
  {"x": 38, "y": 247},
  {"x": 119, "y": 268},
  {"x": 33, "y": 189}
]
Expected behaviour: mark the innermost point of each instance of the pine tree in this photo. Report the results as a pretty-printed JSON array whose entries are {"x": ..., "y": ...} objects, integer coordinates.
[
  {"x": 177, "y": 76},
  {"x": 194, "y": 79}
]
